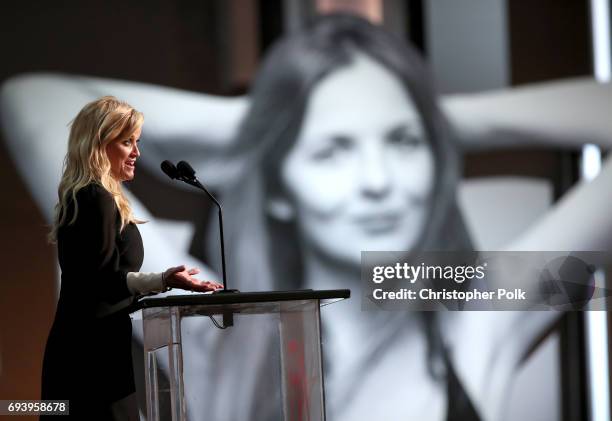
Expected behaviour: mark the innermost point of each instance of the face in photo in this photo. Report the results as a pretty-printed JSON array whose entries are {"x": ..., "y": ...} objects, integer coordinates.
[{"x": 361, "y": 172}]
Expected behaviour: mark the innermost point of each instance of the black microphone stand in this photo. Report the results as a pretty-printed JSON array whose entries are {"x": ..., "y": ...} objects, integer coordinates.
[
  {"x": 193, "y": 181},
  {"x": 185, "y": 173}
]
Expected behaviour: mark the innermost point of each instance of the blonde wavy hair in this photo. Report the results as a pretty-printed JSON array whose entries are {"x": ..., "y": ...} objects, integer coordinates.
[{"x": 95, "y": 126}]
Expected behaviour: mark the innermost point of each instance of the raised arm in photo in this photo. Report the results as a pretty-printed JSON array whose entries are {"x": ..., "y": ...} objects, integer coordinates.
[
  {"x": 36, "y": 110},
  {"x": 564, "y": 113}
]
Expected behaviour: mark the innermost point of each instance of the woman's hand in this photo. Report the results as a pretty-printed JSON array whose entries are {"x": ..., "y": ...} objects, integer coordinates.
[{"x": 180, "y": 277}]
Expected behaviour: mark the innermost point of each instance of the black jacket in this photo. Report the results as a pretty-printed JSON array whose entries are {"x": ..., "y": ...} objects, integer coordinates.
[{"x": 88, "y": 356}]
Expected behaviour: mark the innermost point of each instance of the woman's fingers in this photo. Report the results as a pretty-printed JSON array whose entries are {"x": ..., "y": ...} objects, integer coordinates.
[
  {"x": 180, "y": 277},
  {"x": 171, "y": 271},
  {"x": 209, "y": 286}
]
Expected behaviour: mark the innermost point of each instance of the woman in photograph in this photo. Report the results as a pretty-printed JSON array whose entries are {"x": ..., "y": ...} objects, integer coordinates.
[{"x": 345, "y": 149}]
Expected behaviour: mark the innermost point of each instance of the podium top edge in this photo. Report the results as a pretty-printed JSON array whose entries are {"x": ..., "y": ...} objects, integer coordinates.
[{"x": 243, "y": 297}]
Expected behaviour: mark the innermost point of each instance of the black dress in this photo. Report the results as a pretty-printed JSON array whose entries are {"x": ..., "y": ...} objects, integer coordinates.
[{"x": 88, "y": 356}]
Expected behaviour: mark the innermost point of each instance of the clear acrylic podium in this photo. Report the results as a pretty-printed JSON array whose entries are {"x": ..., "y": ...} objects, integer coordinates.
[{"x": 254, "y": 355}]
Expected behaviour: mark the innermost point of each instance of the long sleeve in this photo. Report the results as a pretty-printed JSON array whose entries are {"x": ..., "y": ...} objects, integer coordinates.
[
  {"x": 145, "y": 282},
  {"x": 139, "y": 284}
]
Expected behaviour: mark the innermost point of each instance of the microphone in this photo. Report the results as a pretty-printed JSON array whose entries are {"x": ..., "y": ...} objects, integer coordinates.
[
  {"x": 184, "y": 172},
  {"x": 169, "y": 169}
]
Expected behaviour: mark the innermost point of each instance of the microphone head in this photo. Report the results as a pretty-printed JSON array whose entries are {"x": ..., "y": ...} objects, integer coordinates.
[
  {"x": 169, "y": 169},
  {"x": 185, "y": 170}
]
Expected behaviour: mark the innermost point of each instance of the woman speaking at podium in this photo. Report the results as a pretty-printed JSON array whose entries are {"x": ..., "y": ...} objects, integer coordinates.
[{"x": 88, "y": 357}]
